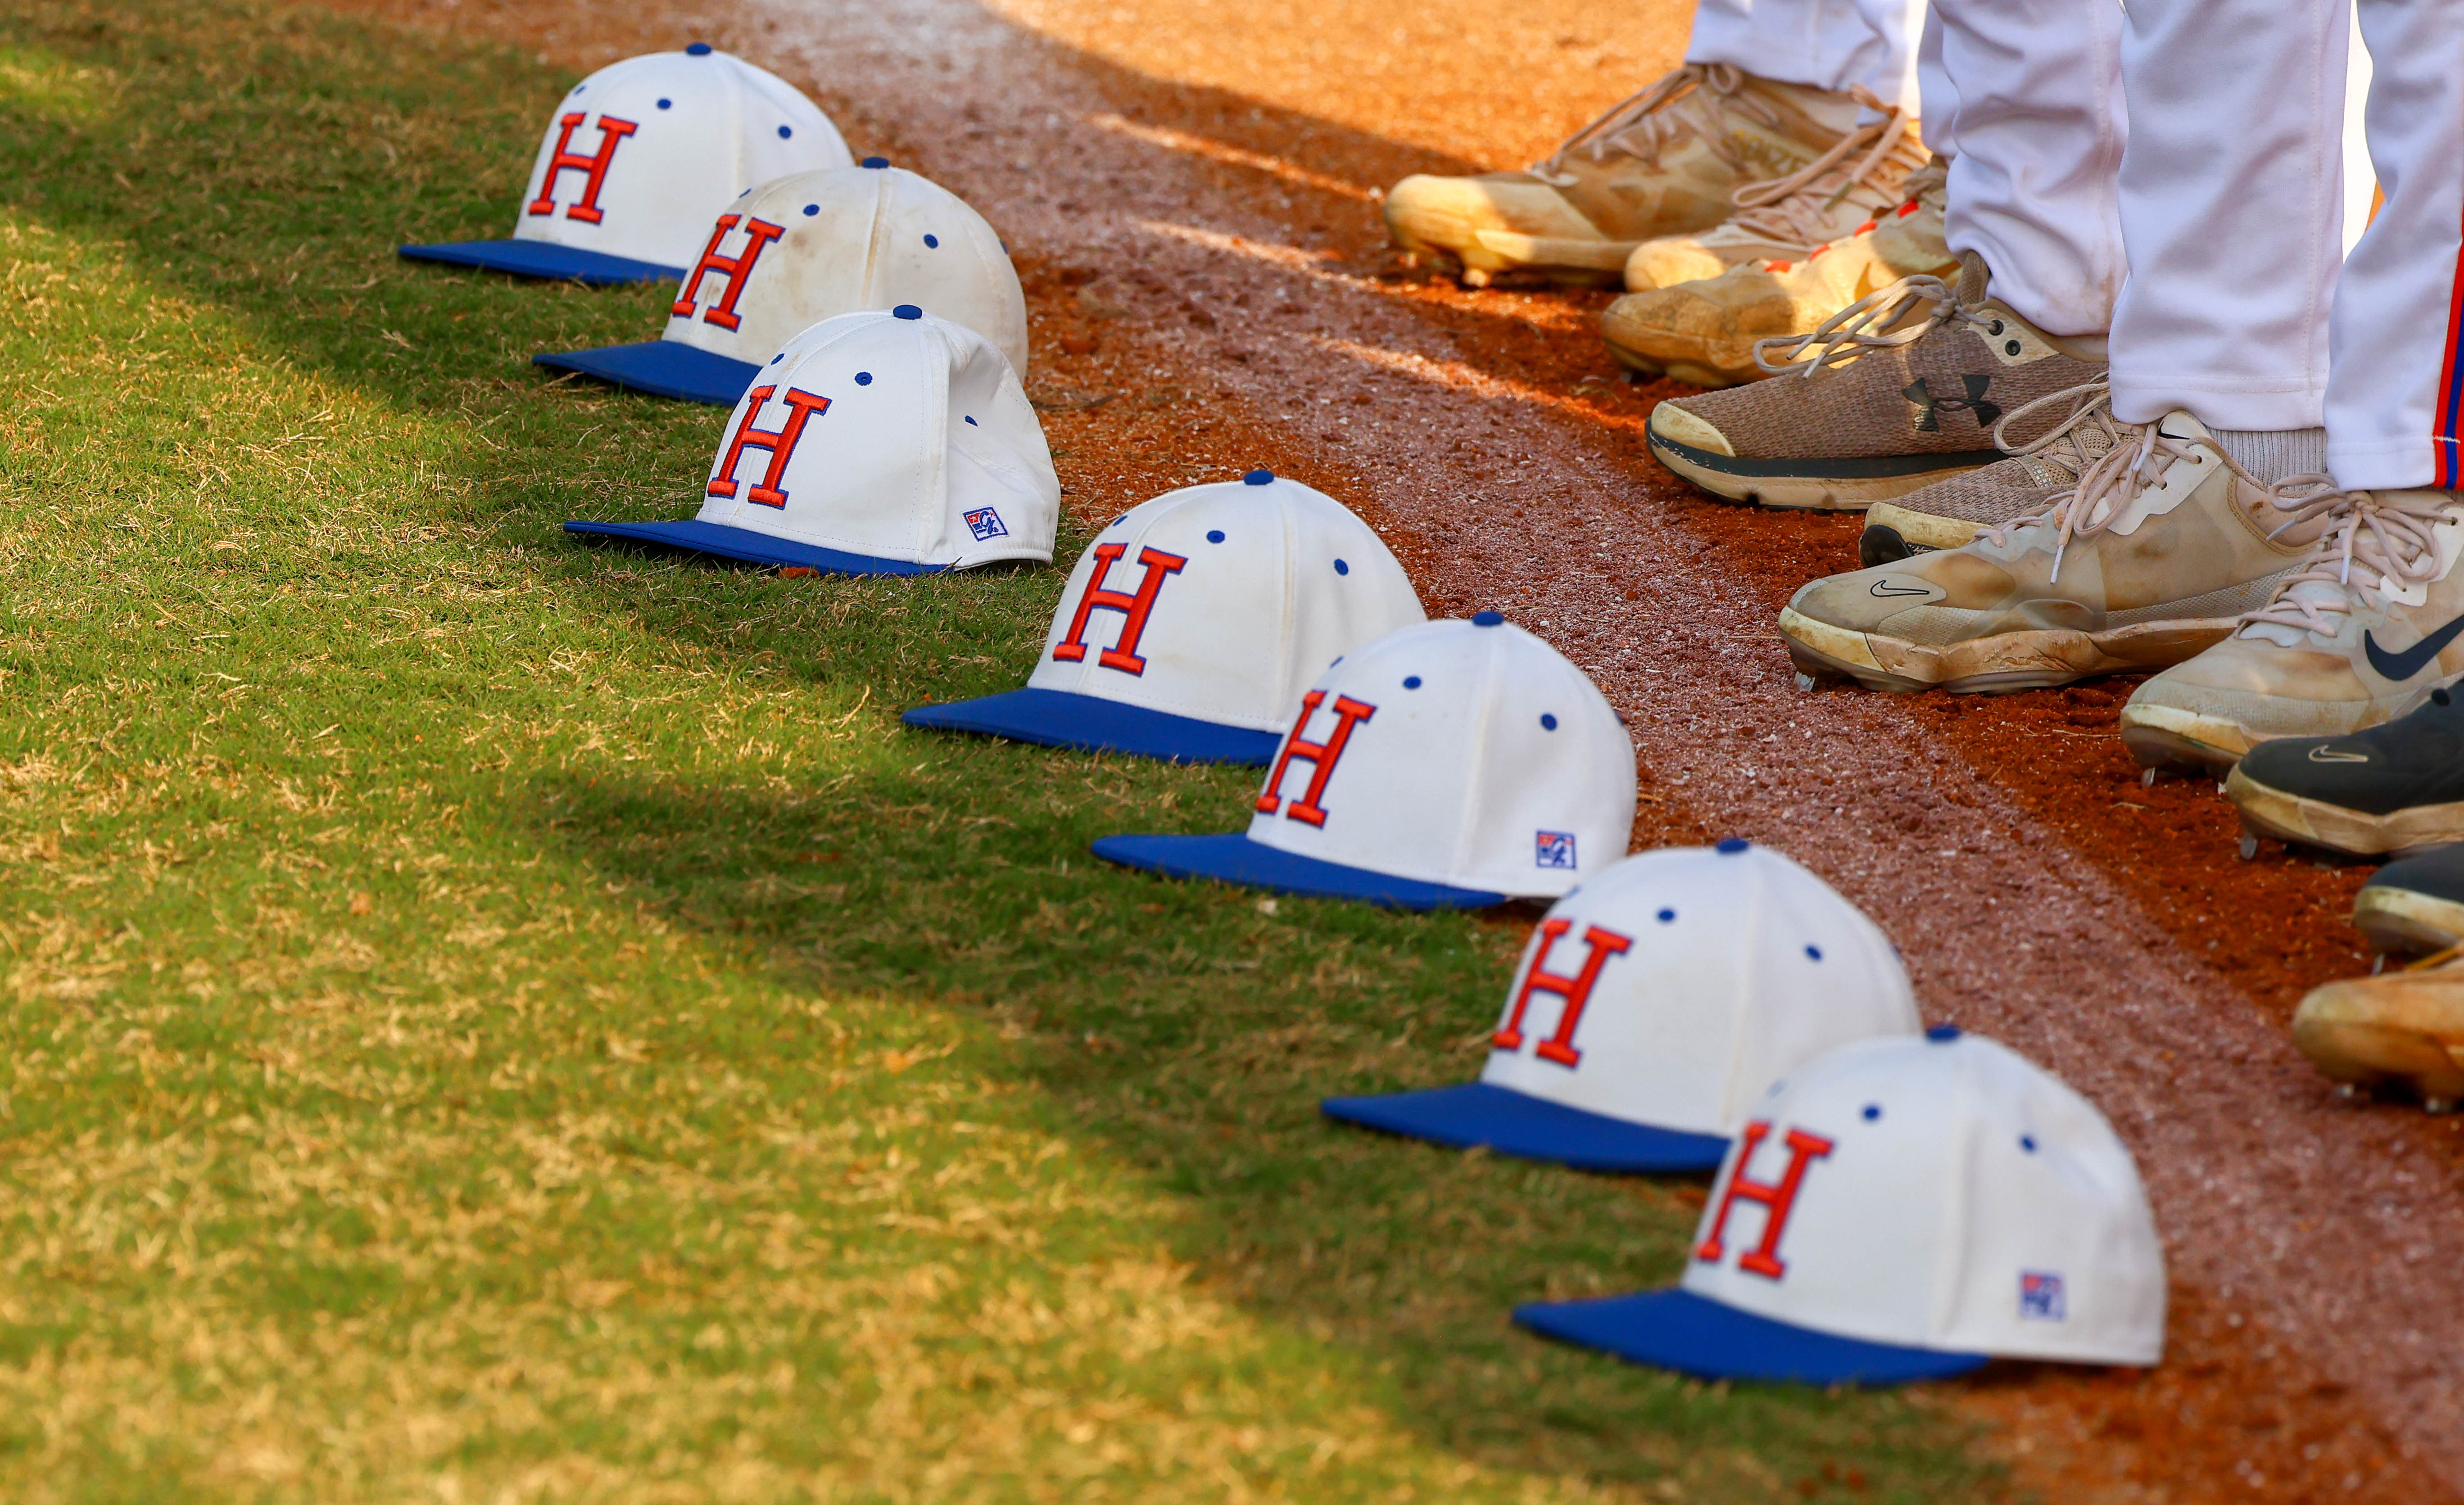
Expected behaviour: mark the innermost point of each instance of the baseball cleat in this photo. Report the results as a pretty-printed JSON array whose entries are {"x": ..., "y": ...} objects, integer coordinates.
[
  {"x": 2414, "y": 904},
  {"x": 2162, "y": 547},
  {"x": 1952, "y": 511},
  {"x": 2403, "y": 1027},
  {"x": 1901, "y": 390},
  {"x": 1704, "y": 332},
  {"x": 1864, "y": 176},
  {"x": 2397, "y": 787},
  {"x": 1663, "y": 162},
  {"x": 2360, "y": 634}
]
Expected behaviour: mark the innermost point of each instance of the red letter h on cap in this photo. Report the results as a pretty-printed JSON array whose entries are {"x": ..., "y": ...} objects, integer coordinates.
[
  {"x": 781, "y": 443},
  {"x": 1123, "y": 654},
  {"x": 1574, "y": 991},
  {"x": 1777, "y": 1200},
  {"x": 1322, "y": 757},
  {"x": 585, "y": 209},
  {"x": 736, "y": 268}
]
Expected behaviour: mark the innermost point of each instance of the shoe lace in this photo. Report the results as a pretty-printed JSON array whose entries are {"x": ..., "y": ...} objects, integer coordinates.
[
  {"x": 2079, "y": 438},
  {"x": 2109, "y": 482},
  {"x": 2388, "y": 540},
  {"x": 1682, "y": 104},
  {"x": 1873, "y": 322},
  {"x": 1877, "y": 157}
]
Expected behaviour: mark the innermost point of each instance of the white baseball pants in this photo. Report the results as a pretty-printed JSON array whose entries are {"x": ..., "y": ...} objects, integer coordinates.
[{"x": 1824, "y": 44}]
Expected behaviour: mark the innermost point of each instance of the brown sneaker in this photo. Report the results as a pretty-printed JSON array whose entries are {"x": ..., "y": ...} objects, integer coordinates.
[
  {"x": 1663, "y": 162},
  {"x": 1947, "y": 514},
  {"x": 2405, "y": 1028},
  {"x": 1847, "y": 189},
  {"x": 1897, "y": 391},
  {"x": 2156, "y": 555},
  {"x": 1704, "y": 331}
]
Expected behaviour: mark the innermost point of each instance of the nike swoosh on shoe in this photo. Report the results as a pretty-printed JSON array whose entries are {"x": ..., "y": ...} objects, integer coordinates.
[
  {"x": 2412, "y": 660},
  {"x": 1877, "y": 588},
  {"x": 2321, "y": 755}
]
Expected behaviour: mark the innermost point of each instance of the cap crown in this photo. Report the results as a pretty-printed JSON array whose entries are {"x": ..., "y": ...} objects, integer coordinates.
[
  {"x": 660, "y": 144},
  {"x": 1454, "y": 753},
  {"x": 814, "y": 245},
  {"x": 893, "y": 438},
  {"x": 1222, "y": 602},
  {"x": 1942, "y": 1194},
  {"x": 1674, "y": 987}
]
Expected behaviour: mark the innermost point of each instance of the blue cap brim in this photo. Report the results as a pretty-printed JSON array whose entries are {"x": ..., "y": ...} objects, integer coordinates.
[
  {"x": 1235, "y": 858},
  {"x": 1056, "y": 718},
  {"x": 747, "y": 547},
  {"x": 537, "y": 258},
  {"x": 1518, "y": 1124},
  {"x": 1697, "y": 1336},
  {"x": 662, "y": 368}
]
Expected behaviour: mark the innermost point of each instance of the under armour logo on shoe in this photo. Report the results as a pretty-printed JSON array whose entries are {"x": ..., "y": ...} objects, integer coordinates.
[{"x": 1930, "y": 409}]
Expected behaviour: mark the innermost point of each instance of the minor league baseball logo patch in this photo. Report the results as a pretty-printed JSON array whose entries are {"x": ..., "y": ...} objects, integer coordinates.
[
  {"x": 985, "y": 523},
  {"x": 2041, "y": 1296},
  {"x": 1553, "y": 849}
]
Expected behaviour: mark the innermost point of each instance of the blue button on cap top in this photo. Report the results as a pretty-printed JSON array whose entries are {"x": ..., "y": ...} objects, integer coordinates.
[
  {"x": 1214, "y": 535},
  {"x": 667, "y": 104},
  {"x": 874, "y": 161},
  {"x": 1548, "y": 722},
  {"x": 864, "y": 379},
  {"x": 1487, "y": 619},
  {"x": 785, "y": 131},
  {"x": 906, "y": 311},
  {"x": 1257, "y": 478},
  {"x": 1732, "y": 846},
  {"x": 698, "y": 50},
  {"x": 1342, "y": 567},
  {"x": 811, "y": 209},
  {"x": 1942, "y": 1033},
  {"x": 932, "y": 243}
]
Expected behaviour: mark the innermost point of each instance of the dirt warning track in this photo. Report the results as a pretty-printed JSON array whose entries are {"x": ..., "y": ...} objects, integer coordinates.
[{"x": 1186, "y": 238}]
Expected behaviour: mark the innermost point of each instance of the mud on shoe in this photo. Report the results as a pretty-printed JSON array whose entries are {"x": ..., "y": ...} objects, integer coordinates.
[
  {"x": 1704, "y": 331},
  {"x": 2159, "y": 551},
  {"x": 2414, "y": 904},
  {"x": 2397, "y": 787},
  {"x": 1901, "y": 389},
  {"x": 1952, "y": 511},
  {"x": 2359, "y": 635},
  {"x": 1663, "y": 162},
  {"x": 2403, "y": 1027}
]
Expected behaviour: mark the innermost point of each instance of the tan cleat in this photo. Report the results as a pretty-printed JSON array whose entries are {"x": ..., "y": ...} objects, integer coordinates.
[
  {"x": 1949, "y": 513},
  {"x": 2405, "y": 1028},
  {"x": 2161, "y": 549},
  {"x": 1845, "y": 191},
  {"x": 1704, "y": 331},
  {"x": 2360, "y": 635},
  {"x": 1663, "y": 162}
]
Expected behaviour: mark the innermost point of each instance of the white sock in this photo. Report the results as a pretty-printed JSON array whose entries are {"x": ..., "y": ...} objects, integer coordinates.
[{"x": 2274, "y": 453}]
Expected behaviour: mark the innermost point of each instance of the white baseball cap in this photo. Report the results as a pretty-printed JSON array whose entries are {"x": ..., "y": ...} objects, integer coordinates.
[
  {"x": 1191, "y": 624},
  {"x": 875, "y": 444},
  {"x": 1448, "y": 765},
  {"x": 638, "y": 159},
  {"x": 1904, "y": 1210},
  {"x": 1654, "y": 1007},
  {"x": 808, "y": 246}
]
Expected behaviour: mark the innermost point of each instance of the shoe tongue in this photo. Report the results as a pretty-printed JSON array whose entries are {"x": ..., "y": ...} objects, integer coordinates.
[{"x": 1972, "y": 278}]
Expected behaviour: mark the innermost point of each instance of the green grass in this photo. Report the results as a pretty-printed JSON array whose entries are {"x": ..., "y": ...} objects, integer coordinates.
[{"x": 488, "y": 1018}]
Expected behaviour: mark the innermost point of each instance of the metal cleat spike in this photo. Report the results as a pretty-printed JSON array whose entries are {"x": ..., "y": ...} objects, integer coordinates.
[
  {"x": 2441, "y": 1106},
  {"x": 2146, "y": 778},
  {"x": 1474, "y": 277},
  {"x": 2248, "y": 847},
  {"x": 2348, "y": 1092},
  {"x": 2220, "y": 786},
  {"x": 2378, "y": 964},
  {"x": 1805, "y": 681}
]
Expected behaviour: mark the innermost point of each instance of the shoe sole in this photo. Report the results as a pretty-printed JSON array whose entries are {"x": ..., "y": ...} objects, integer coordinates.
[
  {"x": 2008, "y": 660},
  {"x": 2367, "y": 1055},
  {"x": 1691, "y": 373},
  {"x": 1910, "y": 533},
  {"x": 1489, "y": 253},
  {"x": 2407, "y": 922},
  {"x": 2292, "y": 818},
  {"x": 2169, "y": 738},
  {"x": 1851, "y": 485}
]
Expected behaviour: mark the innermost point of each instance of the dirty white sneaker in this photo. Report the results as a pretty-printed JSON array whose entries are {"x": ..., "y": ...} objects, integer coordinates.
[
  {"x": 2156, "y": 555},
  {"x": 2360, "y": 634}
]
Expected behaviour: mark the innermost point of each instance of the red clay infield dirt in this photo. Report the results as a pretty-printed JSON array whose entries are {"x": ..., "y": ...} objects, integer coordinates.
[{"x": 1191, "y": 193}]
